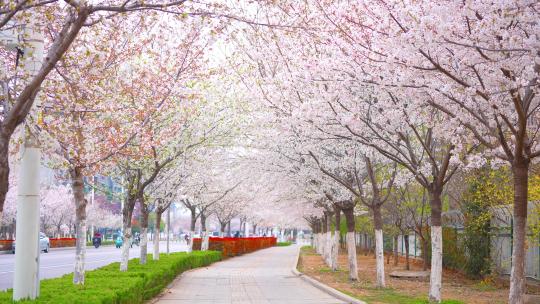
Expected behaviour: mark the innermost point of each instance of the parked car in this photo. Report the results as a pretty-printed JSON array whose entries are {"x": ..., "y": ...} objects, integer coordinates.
[{"x": 44, "y": 243}]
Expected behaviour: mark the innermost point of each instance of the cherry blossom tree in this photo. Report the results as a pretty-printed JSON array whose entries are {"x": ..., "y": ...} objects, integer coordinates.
[
  {"x": 56, "y": 208},
  {"x": 67, "y": 22},
  {"x": 472, "y": 66}
]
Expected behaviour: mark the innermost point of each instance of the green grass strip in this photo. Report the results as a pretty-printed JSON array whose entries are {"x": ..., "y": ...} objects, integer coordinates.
[
  {"x": 283, "y": 244},
  {"x": 107, "y": 285}
]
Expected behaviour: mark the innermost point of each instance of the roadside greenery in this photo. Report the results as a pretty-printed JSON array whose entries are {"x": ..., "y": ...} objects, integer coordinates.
[
  {"x": 108, "y": 285},
  {"x": 283, "y": 244},
  {"x": 103, "y": 243}
]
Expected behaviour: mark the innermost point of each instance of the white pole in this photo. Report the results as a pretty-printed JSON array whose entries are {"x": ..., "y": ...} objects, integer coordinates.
[
  {"x": 168, "y": 226},
  {"x": 122, "y": 206},
  {"x": 246, "y": 229},
  {"x": 92, "y": 198},
  {"x": 26, "y": 275}
]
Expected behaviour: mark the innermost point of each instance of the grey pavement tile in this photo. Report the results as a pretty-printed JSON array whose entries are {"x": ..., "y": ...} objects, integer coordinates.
[{"x": 262, "y": 277}]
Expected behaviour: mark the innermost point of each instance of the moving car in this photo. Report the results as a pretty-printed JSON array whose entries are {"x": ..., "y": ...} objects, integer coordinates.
[{"x": 44, "y": 243}]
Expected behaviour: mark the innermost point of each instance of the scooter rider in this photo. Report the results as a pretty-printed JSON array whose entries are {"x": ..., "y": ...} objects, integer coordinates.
[{"x": 96, "y": 240}]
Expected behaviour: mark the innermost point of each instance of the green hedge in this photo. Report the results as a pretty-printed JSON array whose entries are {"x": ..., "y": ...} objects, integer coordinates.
[
  {"x": 108, "y": 285},
  {"x": 103, "y": 243},
  {"x": 282, "y": 244}
]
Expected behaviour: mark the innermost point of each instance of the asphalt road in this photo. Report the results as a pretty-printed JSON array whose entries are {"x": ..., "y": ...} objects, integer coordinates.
[{"x": 60, "y": 261}]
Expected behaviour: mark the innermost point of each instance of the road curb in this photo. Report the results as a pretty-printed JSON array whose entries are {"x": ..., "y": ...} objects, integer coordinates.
[{"x": 323, "y": 287}]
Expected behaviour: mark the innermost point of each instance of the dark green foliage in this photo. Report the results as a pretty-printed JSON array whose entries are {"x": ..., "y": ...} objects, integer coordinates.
[
  {"x": 103, "y": 243},
  {"x": 476, "y": 241},
  {"x": 453, "y": 254},
  {"x": 107, "y": 285}
]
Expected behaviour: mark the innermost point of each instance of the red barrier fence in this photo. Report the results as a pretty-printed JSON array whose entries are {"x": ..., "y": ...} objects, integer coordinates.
[
  {"x": 230, "y": 247},
  {"x": 6, "y": 245},
  {"x": 62, "y": 242}
]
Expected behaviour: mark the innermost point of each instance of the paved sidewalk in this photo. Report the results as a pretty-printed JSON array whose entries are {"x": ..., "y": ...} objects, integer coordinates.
[{"x": 262, "y": 277}]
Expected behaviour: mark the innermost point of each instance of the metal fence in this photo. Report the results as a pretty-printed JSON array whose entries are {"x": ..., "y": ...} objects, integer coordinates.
[{"x": 500, "y": 251}]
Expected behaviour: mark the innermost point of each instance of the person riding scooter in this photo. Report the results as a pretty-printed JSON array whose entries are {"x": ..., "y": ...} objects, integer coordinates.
[
  {"x": 118, "y": 242},
  {"x": 96, "y": 240},
  {"x": 136, "y": 240}
]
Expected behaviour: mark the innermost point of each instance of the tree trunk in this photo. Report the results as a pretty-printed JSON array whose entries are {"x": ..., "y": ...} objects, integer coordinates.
[
  {"x": 379, "y": 250},
  {"x": 192, "y": 230},
  {"x": 241, "y": 226},
  {"x": 229, "y": 229},
  {"x": 77, "y": 184},
  {"x": 322, "y": 233},
  {"x": 143, "y": 246},
  {"x": 367, "y": 249},
  {"x": 435, "y": 281},
  {"x": 425, "y": 245},
  {"x": 396, "y": 250},
  {"x": 327, "y": 239},
  {"x": 4, "y": 168},
  {"x": 335, "y": 243},
  {"x": 126, "y": 225},
  {"x": 204, "y": 237},
  {"x": 406, "y": 239},
  {"x": 351, "y": 245},
  {"x": 159, "y": 213},
  {"x": 520, "y": 169},
  {"x": 222, "y": 227}
]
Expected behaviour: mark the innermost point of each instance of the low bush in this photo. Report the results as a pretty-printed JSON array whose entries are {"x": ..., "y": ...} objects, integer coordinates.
[
  {"x": 62, "y": 242},
  {"x": 108, "y": 285},
  {"x": 103, "y": 243},
  {"x": 230, "y": 247},
  {"x": 282, "y": 244}
]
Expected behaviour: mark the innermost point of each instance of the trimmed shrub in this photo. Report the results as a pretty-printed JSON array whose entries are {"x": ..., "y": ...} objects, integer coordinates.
[
  {"x": 107, "y": 285},
  {"x": 103, "y": 243},
  {"x": 62, "y": 242},
  {"x": 230, "y": 247}
]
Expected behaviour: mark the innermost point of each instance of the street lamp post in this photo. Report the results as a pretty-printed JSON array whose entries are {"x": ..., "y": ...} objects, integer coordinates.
[{"x": 26, "y": 275}]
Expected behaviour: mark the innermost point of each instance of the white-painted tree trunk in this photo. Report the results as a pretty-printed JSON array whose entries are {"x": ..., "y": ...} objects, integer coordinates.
[
  {"x": 328, "y": 246},
  {"x": 125, "y": 249},
  {"x": 335, "y": 251},
  {"x": 80, "y": 253},
  {"x": 143, "y": 245},
  {"x": 379, "y": 252},
  {"x": 435, "y": 281},
  {"x": 155, "y": 254},
  {"x": 190, "y": 243},
  {"x": 351, "y": 256},
  {"x": 205, "y": 239},
  {"x": 320, "y": 243}
]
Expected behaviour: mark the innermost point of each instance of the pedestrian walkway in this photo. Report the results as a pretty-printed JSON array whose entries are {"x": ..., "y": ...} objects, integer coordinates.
[{"x": 262, "y": 277}]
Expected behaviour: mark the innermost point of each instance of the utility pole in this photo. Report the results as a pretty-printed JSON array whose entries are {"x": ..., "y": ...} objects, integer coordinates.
[
  {"x": 26, "y": 275},
  {"x": 92, "y": 197},
  {"x": 168, "y": 226}
]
